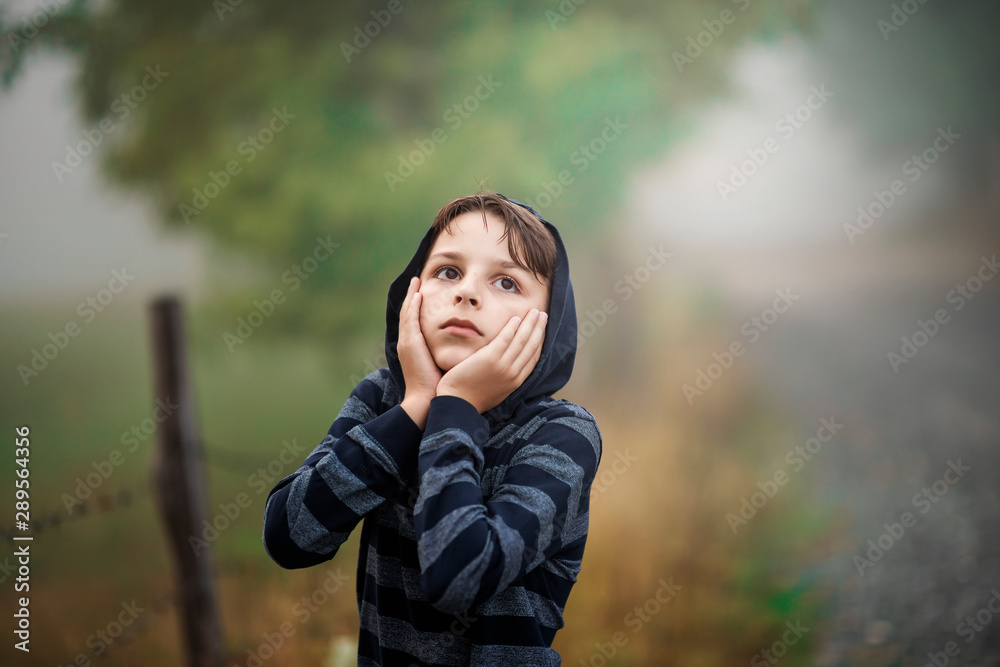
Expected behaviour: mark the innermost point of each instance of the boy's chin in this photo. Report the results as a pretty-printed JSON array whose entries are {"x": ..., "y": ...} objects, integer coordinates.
[{"x": 448, "y": 359}]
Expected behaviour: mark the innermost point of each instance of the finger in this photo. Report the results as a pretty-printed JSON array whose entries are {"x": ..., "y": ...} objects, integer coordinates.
[
  {"x": 404, "y": 308},
  {"x": 499, "y": 345},
  {"x": 530, "y": 353},
  {"x": 413, "y": 315},
  {"x": 416, "y": 333},
  {"x": 520, "y": 340},
  {"x": 412, "y": 303}
]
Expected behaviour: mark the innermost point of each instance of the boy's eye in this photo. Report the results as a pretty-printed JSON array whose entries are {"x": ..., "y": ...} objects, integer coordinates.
[
  {"x": 506, "y": 284},
  {"x": 447, "y": 272}
]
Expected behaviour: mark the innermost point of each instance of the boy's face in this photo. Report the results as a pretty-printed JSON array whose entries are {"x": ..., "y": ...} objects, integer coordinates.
[{"x": 469, "y": 275}]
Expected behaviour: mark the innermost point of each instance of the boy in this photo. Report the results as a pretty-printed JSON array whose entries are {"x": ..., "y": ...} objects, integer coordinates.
[{"x": 473, "y": 482}]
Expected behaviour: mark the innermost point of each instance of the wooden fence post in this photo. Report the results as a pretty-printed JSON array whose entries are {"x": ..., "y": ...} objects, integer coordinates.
[{"x": 180, "y": 491}]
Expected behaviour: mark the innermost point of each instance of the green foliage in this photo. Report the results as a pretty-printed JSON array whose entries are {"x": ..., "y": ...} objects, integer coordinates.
[{"x": 559, "y": 73}]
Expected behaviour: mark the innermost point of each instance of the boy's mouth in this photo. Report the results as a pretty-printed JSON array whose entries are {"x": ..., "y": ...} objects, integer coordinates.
[{"x": 459, "y": 327}]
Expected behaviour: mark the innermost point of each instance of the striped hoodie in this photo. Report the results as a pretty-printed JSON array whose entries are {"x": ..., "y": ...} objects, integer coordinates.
[{"x": 474, "y": 529}]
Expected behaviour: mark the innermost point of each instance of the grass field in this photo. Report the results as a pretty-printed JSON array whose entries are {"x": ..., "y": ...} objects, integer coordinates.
[{"x": 665, "y": 580}]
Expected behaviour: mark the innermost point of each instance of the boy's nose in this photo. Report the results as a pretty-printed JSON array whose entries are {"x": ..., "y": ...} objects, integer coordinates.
[
  {"x": 466, "y": 291},
  {"x": 472, "y": 301}
]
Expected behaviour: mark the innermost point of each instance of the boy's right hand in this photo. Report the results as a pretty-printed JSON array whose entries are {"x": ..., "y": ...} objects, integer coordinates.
[{"x": 420, "y": 373}]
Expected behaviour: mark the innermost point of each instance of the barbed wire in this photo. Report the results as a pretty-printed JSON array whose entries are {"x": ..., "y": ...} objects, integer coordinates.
[
  {"x": 101, "y": 502},
  {"x": 125, "y": 497},
  {"x": 92, "y": 506}
]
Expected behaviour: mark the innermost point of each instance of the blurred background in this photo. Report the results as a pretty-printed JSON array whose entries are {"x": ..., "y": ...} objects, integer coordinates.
[{"x": 782, "y": 225}]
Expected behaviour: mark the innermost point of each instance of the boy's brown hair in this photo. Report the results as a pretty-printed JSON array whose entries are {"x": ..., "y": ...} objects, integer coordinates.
[{"x": 528, "y": 241}]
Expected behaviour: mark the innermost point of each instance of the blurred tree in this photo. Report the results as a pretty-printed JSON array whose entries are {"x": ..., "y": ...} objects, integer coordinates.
[{"x": 358, "y": 121}]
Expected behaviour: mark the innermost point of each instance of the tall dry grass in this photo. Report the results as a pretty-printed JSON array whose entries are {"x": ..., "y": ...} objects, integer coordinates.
[{"x": 661, "y": 518}]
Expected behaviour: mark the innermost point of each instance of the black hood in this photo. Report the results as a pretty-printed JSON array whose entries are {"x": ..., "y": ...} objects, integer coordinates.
[{"x": 555, "y": 365}]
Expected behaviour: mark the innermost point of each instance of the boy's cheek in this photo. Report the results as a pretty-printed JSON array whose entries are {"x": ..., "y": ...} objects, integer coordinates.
[
  {"x": 425, "y": 313},
  {"x": 424, "y": 329},
  {"x": 430, "y": 306}
]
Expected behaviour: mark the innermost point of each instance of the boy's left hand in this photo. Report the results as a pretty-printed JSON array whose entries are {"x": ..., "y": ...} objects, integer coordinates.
[{"x": 493, "y": 372}]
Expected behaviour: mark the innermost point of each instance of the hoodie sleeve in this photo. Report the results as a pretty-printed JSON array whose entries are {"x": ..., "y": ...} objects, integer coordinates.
[
  {"x": 362, "y": 462},
  {"x": 471, "y": 549}
]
